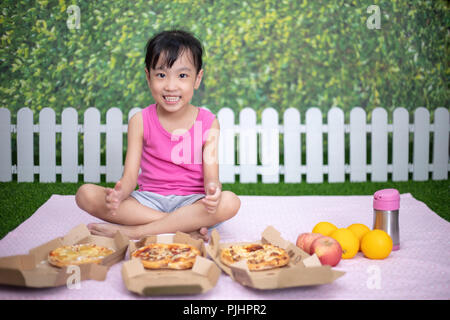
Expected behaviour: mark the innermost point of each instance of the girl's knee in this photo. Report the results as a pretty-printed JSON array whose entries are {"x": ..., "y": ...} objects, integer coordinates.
[
  {"x": 230, "y": 204},
  {"x": 80, "y": 195},
  {"x": 85, "y": 196}
]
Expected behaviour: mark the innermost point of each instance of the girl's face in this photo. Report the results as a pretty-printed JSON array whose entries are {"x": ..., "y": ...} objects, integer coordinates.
[{"x": 173, "y": 88}]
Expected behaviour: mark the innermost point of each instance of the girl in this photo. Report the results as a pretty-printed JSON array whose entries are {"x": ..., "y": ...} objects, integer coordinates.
[{"x": 175, "y": 144}]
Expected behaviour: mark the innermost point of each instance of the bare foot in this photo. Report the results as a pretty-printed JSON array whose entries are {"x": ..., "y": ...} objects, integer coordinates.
[
  {"x": 109, "y": 230},
  {"x": 202, "y": 233}
]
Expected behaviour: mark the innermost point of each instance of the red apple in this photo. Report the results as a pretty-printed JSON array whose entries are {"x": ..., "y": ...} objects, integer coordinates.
[
  {"x": 328, "y": 250},
  {"x": 305, "y": 240}
]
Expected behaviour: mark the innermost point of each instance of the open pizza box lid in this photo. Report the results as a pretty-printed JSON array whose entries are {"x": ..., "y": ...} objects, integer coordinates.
[
  {"x": 201, "y": 278},
  {"x": 33, "y": 269},
  {"x": 302, "y": 270}
]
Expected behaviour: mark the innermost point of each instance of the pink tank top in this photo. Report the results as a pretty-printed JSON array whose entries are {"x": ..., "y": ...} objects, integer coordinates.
[{"x": 170, "y": 163}]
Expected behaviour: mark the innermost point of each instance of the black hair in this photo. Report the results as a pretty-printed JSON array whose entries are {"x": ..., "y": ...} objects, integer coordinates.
[{"x": 172, "y": 44}]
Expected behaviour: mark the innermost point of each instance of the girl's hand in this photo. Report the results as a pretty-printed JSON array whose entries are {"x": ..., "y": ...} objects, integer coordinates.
[
  {"x": 113, "y": 198},
  {"x": 212, "y": 199}
]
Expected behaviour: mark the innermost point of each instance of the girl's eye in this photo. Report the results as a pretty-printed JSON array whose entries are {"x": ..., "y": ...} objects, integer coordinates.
[
  {"x": 183, "y": 75},
  {"x": 160, "y": 75}
]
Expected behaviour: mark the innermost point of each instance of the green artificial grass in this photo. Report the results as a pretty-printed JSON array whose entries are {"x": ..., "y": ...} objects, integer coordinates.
[{"x": 20, "y": 200}]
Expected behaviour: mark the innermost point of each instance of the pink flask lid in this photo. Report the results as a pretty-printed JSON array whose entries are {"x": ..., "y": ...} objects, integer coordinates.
[{"x": 386, "y": 199}]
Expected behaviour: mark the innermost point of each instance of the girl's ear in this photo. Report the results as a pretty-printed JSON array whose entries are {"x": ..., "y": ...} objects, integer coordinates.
[
  {"x": 198, "y": 79},
  {"x": 147, "y": 76}
]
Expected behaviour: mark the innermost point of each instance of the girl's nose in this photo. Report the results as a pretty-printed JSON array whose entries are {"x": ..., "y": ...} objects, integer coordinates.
[{"x": 170, "y": 84}]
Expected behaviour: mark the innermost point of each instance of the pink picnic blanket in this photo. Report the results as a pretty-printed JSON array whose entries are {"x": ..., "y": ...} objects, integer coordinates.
[{"x": 419, "y": 270}]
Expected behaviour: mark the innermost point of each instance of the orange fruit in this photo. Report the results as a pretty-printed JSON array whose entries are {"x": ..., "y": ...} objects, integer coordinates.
[
  {"x": 359, "y": 230},
  {"x": 325, "y": 228},
  {"x": 376, "y": 244},
  {"x": 348, "y": 241}
]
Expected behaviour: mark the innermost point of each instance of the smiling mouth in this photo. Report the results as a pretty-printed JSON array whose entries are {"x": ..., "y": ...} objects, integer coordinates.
[{"x": 172, "y": 98}]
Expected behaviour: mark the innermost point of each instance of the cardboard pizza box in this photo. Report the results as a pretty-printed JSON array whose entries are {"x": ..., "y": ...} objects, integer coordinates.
[
  {"x": 302, "y": 270},
  {"x": 33, "y": 269},
  {"x": 201, "y": 278}
]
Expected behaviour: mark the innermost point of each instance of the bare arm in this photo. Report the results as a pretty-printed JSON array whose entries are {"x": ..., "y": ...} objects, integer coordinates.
[
  {"x": 211, "y": 155},
  {"x": 134, "y": 151},
  {"x": 127, "y": 183},
  {"x": 212, "y": 184}
]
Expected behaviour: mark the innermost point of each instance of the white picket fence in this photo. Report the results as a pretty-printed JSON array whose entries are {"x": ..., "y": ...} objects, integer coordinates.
[{"x": 243, "y": 139}]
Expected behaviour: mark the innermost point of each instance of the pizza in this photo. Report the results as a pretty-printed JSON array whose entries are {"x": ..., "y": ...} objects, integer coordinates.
[
  {"x": 167, "y": 255},
  {"x": 78, "y": 254},
  {"x": 258, "y": 256}
]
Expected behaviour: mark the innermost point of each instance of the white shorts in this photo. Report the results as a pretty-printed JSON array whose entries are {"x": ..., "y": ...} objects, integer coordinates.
[{"x": 165, "y": 203}]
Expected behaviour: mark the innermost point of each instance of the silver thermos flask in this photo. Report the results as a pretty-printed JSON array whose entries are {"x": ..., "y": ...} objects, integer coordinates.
[{"x": 386, "y": 206}]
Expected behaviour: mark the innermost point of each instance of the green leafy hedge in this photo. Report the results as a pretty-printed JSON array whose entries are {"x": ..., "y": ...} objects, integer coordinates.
[{"x": 258, "y": 53}]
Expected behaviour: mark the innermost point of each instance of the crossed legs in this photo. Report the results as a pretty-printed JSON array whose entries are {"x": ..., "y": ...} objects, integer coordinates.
[{"x": 136, "y": 220}]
